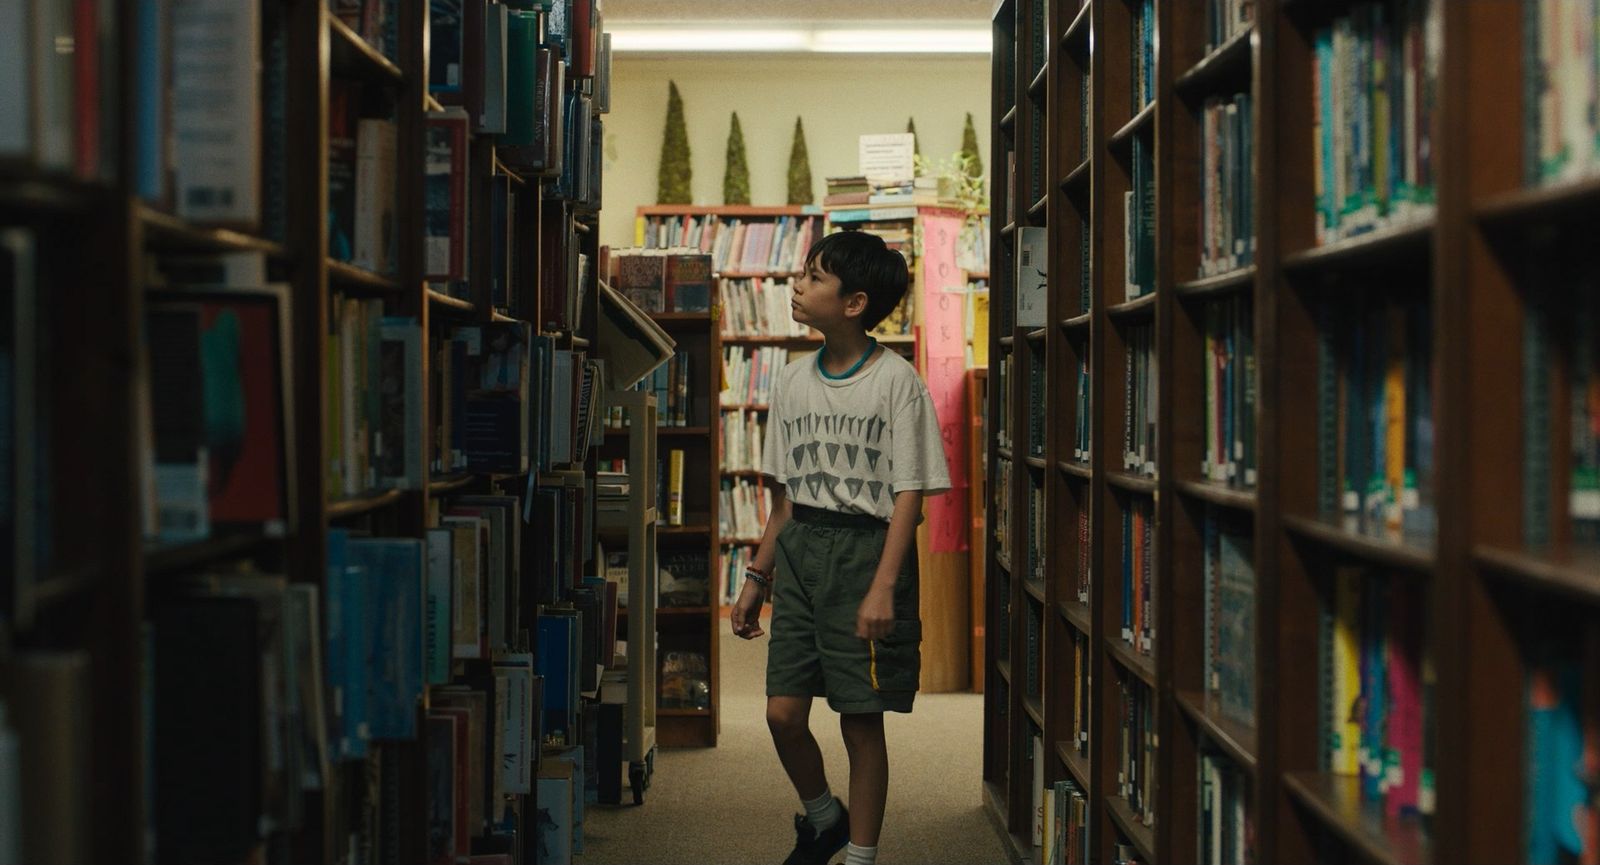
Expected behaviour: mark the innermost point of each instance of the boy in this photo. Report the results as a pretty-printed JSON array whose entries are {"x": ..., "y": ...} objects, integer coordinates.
[{"x": 852, "y": 447}]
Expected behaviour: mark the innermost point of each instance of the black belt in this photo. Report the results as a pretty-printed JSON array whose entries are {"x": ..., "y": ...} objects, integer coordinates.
[{"x": 825, "y": 518}]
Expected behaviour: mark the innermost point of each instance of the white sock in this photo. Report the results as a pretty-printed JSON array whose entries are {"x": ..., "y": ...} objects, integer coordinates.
[
  {"x": 822, "y": 811},
  {"x": 854, "y": 855}
]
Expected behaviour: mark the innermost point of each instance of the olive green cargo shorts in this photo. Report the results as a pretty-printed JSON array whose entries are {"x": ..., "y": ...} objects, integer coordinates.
[{"x": 826, "y": 562}]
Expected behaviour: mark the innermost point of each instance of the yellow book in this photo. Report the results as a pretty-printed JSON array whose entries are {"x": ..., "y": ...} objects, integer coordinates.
[
  {"x": 1346, "y": 726},
  {"x": 675, "y": 488},
  {"x": 979, "y": 313},
  {"x": 638, "y": 231},
  {"x": 1394, "y": 405}
]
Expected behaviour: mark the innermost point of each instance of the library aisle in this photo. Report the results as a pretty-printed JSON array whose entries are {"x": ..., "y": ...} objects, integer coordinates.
[{"x": 732, "y": 804}]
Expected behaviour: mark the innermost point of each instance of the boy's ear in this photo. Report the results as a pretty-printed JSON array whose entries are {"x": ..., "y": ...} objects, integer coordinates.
[{"x": 856, "y": 304}]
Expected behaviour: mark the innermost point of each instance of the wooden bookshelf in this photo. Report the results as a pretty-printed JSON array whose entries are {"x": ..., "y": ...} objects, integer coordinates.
[
  {"x": 96, "y": 242},
  {"x": 1503, "y": 571}
]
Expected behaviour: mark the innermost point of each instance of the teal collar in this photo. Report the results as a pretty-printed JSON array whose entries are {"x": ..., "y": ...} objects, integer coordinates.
[{"x": 872, "y": 345}]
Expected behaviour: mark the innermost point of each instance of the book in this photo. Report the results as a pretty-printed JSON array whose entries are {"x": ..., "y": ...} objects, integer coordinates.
[
  {"x": 394, "y": 599},
  {"x": 468, "y": 593},
  {"x": 216, "y": 117},
  {"x": 374, "y": 217},
  {"x": 445, "y": 196},
  {"x": 496, "y": 27},
  {"x": 398, "y": 435},
  {"x": 688, "y": 282},
  {"x": 675, "y": 488},
  {"x": 48, "y": 702},
  {"x": 1033, "y": 276},
  {"x": 438, "y": 605}
]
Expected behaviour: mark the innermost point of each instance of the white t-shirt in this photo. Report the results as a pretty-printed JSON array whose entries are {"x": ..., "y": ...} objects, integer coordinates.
[{"x": 851, "y": 445}]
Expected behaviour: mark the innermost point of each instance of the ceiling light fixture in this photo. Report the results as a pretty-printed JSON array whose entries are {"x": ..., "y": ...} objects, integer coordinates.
[{"x": 677, "y": 38}]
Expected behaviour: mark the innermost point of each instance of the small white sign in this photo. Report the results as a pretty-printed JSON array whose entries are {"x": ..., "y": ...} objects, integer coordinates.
[{"x": 887, "y": 158}]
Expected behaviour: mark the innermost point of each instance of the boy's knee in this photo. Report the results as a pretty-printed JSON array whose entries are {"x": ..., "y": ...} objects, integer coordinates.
[
  {"x": 787, "y": 721},
  {"x": 862, "y": 730}
]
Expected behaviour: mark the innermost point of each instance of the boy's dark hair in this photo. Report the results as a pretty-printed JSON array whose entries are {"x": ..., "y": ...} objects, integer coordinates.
[{"x": 864, "y": 263}]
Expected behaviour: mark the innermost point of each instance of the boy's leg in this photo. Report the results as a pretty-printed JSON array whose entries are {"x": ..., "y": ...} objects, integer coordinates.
[
  {"x": 789, "y": 719},
  {"x": 869, "y": 775}
]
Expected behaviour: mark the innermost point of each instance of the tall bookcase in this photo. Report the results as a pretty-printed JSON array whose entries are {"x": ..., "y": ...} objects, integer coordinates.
[
  {"x": 95, "y": 243},
  {"x": 1485, "y": 526}
]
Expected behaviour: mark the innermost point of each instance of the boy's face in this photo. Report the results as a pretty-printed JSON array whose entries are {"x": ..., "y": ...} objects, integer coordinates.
[{"x": 819, "y": 302}]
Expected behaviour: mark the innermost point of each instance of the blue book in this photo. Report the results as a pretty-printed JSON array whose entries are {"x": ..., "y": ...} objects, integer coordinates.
[
  {"x": 558, "y": 660},
  {"x": 346, "y": 634},
  {"x": 395, "y": 568},
  {"x": 1555, "y": 791}
]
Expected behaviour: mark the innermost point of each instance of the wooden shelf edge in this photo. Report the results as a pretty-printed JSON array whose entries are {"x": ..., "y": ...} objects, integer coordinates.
[
  {"x": 1124, "y": 137},
  {"x": 1397, "y": 554},
  {"x": 1077, "y": 614},
  {"x": 1217, "y": 63},
  {"x": 682, "y": 713},
  {"x": 771, "y": 340},
  {"x": 1040, "y": 81},
  {"x": 1572, "y": 572},
  {"x": 1035, "y": 588},
  {"x": 1005, "y": 454},
  {"x": 1076, "y": 469},
  {"x": 1034, "y": 709},
  {"x": 1336, "y": 802},
  {"x": 1142, "y": 837},
  {"x": 683, "y": 430},
  {"x": 674, "y": 317},
  {"x": 1035, "y": 462},
  {"x": 1008, "y": 229},
  {"x": 1141, "y": 666},
  {"x": 168, "y": 233},
  {"x": 1077, "y": 322},
  {"x": 344, "y": 509},
  {"x": 1009, "y": 121},
  {"x": 1538, "y": 203},
  {"x": 1076, "y": 765},
  {"x": 167, "y": 559},
  {"x": 1235, "y": 739},
  {"x": 1133, "y": 483},
  {"x": 1384, "y": 242},
  {"x": 1223, "y": 283},
  {"x": 649, "y": 210},
  {"x": 1037, "y": 210},
  {"x": 1138, "y": 308},
  {"x": 1078, "y": 176},
  {"x": 448, "y": 483},
  {"x": 453, "y": 304},
  {"x": 369, "y": 61},
  {"x": 1004, "y": 668},
  {"x": 347, "y": 274},
  {"x": 1079, "y": 25},
  {"x": 1008, "y": 341},
  {"x": 1219, "y": 494}
]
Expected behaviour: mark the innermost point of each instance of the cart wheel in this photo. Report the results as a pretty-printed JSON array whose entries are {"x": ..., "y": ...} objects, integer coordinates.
[
  {"x": 649, "y": 768},
  {"x": 639, "y": 780}
]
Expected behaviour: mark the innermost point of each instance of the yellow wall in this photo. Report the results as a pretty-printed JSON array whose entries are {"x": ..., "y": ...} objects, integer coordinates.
[{"x": 839, "y": 97}]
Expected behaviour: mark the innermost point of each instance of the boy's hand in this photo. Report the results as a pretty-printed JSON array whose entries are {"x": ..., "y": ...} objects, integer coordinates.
[
  {"x": 746, "y": 613},
  {"x": 876, "y": 617}
]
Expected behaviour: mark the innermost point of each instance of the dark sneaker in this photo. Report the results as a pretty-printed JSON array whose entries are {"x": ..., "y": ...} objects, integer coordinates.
[{"x": 817, "y": 848}]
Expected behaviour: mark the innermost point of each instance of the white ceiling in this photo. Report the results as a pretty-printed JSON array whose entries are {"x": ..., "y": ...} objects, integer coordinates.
[{"x": 809, "y": 11}]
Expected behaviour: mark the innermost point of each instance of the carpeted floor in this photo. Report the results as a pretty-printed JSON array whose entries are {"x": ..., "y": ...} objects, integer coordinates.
[{"x": 732, "y": 805}]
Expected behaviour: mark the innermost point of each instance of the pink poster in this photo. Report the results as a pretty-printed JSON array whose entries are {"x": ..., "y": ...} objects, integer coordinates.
[
  {"x": 940, "y": 234},
  {"x": 944, "y": 329}
]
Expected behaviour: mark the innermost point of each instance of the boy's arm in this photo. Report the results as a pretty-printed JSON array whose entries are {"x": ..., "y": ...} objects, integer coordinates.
[
  {"x": 876, "y": 616},
  {"x": 745, "y": 617}
]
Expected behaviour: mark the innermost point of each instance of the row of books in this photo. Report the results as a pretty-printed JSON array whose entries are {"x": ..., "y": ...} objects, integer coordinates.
[
  {"x": 1561, "y": 132},
  {"x": 1136, "y": 753},
  {"x": 748, "y": 373},
  {"x": 1374, "y": 79},
  {"x": 372, "y": 439},
  {"x": 1004, "y": 384},
  {"x": 217, "y": 351},
  {"x": 669, "y": 488},
  {"x": 743, "y": 510},
  {"x": 1561, "y": 331},
  {"x": 1230, "y": 604},
  {"x": 1005, "y": 545},
  {"x": 732, "y": 561},
  {"x": 26, "y": 542},
  {"x": 362, "y": 153},
  {"x": 1037, "y": 165},
  {"x": 1142, "y": 69},
  {"x": 1032, "y": 288},
  {"x": 1227, "y": 184},
  {"x": 672, "y": 385},
  {"x": 1226, "y": 19},
  {"x": 1139, "y": 223},
  {"x": 745, "y": 245},
  {"x": 1141, "y": 397},
  {"x": 758, "y": 308},
  {"x": 1081, "y": 692},
  {"x": 1038, "y": 388},
  {"x": 1230, "y": 404},
  {"x": 1562, "y": 706},
  {"x": 1082, "y": 441},
  {"x": 743, "y": 434},
  {"x": 1376, "y": 685},
  {"x": 1375, "y": 395},
  {"x": 1032, "y": 648},
  {"x": 1138, "y": 566},
  {"x": 1226, "y": 827},
  {"x": 672, "y": 280},
  {"x": 1084, "y": 576},
  {"x": 65, "y": 103},
  {"x": 1038, "y": 532},
  {"x": 1066, "y": 820},
  {"x": 486, "y": 385},
  {"x": 685, "y": 681}
]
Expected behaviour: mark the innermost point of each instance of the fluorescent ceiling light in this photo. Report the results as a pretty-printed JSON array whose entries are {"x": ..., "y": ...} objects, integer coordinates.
[{"x": 662, "y": 37}]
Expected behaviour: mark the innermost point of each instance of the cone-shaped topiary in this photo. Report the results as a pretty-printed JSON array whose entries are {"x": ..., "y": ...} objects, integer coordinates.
[
  {"x": 675, "y": 172},
  {"x": 916, "y": 146},
  {"x": 969, "y": 149},
  {"x": 736, "y": 180},
  {"x": 799, "y": 167}
]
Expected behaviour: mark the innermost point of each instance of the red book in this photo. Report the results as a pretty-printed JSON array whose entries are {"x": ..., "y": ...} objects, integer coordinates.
[
  {"x": 445, "y": 196},
  {"x": 86, "y": 88},
  {"x": 584, "y": 37},
  {"x": 1405, "y": 710}
]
